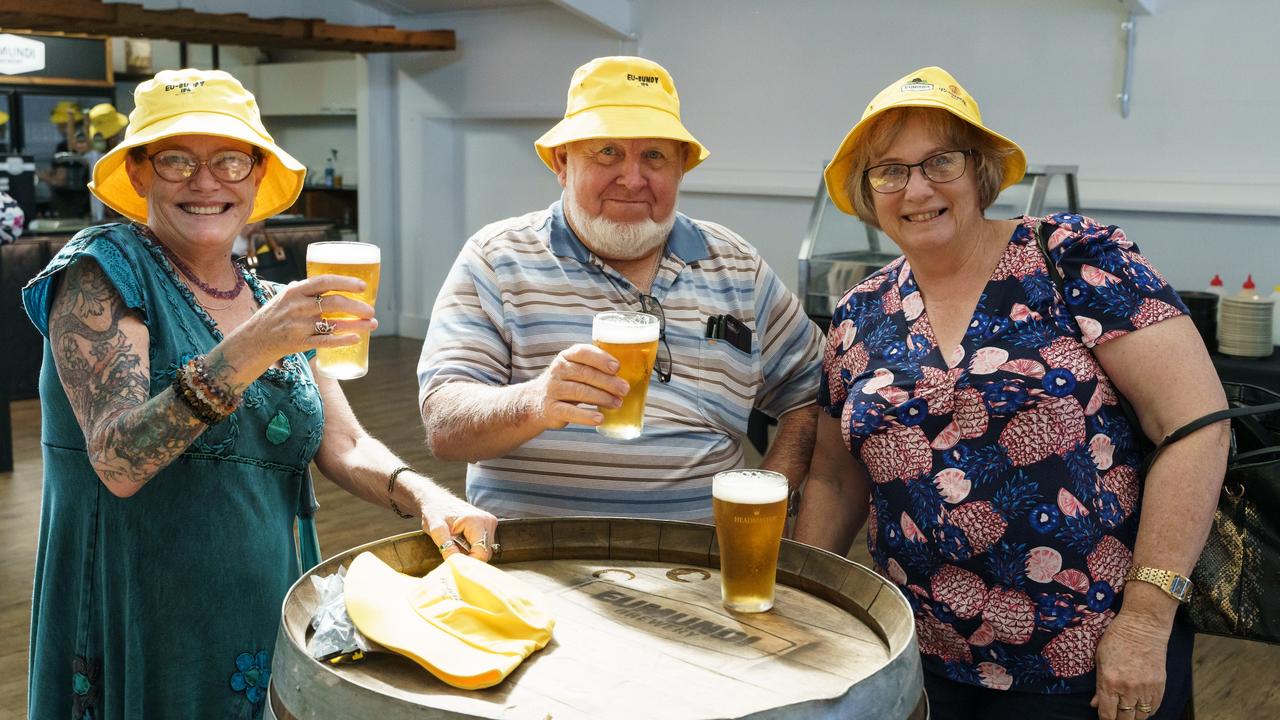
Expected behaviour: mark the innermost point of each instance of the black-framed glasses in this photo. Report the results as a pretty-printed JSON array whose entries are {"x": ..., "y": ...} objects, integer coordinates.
[
  {"x": 650, "y": 304},
  {"x": 941, "y": 168},
  {"x": 229, "y": 166}
]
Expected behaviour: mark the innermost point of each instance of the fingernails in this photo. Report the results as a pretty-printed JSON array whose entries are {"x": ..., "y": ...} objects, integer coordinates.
[{"x": 614, "y": 366}]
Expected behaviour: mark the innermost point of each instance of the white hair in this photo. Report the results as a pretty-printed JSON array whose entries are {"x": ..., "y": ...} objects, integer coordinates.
[{"x": 615, "y": 240}]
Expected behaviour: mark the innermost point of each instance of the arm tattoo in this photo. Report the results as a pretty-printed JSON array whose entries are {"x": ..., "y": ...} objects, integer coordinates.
[{"x": 129, "y": 437}]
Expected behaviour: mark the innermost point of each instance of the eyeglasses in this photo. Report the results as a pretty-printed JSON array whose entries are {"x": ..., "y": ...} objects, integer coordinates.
[
  {"x": 230, "y": 166},
  {"x": 940, "y": 168},
  {"x": 650, "y": 304}
]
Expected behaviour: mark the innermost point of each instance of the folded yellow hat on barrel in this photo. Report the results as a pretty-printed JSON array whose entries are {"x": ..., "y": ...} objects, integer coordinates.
[{"x": 467, "y": 622}]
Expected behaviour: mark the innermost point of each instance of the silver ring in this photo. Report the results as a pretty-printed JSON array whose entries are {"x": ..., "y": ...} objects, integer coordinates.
[
  {"x": 483, "y": 542},
  {"x": 447, "y": 544},
  {"x": 495, "y": 548},
  {"x": 324, "y": 327},
  {"x": 320, "y": 303}
]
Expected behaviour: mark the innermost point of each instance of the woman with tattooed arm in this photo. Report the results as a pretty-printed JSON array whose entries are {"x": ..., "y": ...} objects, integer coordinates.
[{"x": 180, "y": 414}]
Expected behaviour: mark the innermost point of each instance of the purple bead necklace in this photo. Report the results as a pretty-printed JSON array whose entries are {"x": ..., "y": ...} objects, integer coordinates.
[{"x": 185, "y": 269}]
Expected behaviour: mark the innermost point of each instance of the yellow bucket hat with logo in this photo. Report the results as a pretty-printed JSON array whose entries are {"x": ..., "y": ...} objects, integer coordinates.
[
  {"x": 106, "y": 121},
  {"x": 466, "y": 622},
  {"x": 930, "y": 87},
  {"x": 621, "y": 97},
  {"x": 196, "y": 102}
]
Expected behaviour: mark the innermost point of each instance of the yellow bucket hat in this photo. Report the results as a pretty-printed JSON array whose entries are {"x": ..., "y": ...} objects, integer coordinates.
[
  {"x": 196, "y": 102},
  {"x": 930, "y": 87},
  {"x": 65, "y": 110},
  {"x": 467, "y": 622},
  {"x": 106, "y": 121},
  {"x": 621, "y": 97}
]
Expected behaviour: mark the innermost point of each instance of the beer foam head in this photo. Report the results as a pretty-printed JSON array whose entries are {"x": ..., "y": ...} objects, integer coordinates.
[
  {"x": 749, "y": 487},
  {"x": 343, "y": 253},
  {"x": 624, "y": 328}
]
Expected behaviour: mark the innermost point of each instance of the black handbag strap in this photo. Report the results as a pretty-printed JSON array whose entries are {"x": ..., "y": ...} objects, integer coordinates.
[{"x": 1243, "y": 411}]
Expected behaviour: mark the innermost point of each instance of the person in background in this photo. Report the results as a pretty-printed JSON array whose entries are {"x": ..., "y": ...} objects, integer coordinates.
[
  {"x": 970, "y": 410},
  {"x": 106, "y": 126},
  {"x": 180, "y": 417},
  {"x": 12, "y": 219},
  {"x": 509, "y": 379}
]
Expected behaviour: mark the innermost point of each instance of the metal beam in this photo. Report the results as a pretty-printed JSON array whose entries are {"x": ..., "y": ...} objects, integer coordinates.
[{"x": 612, "y": 15}]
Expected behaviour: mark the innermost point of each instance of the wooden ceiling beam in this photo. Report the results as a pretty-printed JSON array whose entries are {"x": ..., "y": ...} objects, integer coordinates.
[{"x": 94, "y": 17}]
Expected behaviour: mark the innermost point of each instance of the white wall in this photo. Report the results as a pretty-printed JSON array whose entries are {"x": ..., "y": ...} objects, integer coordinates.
[
  {"x": 468, "y": 120},
  {"x": 1193, "y": 174}
]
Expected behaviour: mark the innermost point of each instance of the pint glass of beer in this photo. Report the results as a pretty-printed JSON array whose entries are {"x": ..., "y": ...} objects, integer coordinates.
[
  {"x": 359, "y": 260},
  {"x": 632, "y": 339},
  {"x": 750, "y": 509}
]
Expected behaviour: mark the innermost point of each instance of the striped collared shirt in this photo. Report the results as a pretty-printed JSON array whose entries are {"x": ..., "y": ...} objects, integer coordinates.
[{"x": 526, "y": 288}]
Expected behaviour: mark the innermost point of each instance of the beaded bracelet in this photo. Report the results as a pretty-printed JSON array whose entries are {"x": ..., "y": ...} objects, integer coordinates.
[
  {"x": 209, "y": 403},
  {"x": 391, "y": 490}
]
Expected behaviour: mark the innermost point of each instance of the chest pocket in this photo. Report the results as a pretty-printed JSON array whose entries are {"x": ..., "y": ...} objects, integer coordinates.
[{"x": 728, "y": 379}]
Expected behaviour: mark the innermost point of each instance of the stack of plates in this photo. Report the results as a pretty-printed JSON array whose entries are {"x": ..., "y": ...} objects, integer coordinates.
[{"x": 1244, "y": 330}]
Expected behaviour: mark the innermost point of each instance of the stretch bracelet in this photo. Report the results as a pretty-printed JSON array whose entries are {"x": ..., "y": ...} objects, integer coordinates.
[
  {"x": 204, "y": 382},
  {"x": 210, "y": 404},
  {"x": 201, "y": 408},
  {"x": 391, "y": 490}
]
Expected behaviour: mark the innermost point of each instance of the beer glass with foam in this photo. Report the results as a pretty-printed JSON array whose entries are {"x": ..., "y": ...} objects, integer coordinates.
[
  {"x": 359, "y": 260},
  {"x": 632, "y": 339},
  {"x": 750, "y": 508}
]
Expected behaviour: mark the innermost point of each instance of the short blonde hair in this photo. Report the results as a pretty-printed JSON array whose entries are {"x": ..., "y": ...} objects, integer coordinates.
[{"x": 988, "y": 158}]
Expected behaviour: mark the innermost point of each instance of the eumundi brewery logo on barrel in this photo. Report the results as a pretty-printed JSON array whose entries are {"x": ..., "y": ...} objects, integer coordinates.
[
  {"x": 20, "y": 55},
  {"x": 691, "y": 624}
]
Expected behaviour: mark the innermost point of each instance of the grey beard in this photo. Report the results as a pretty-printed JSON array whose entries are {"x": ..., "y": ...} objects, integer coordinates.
[{"x": 614, "y": 240}]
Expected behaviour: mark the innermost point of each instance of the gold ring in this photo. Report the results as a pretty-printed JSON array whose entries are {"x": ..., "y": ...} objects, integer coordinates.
[
  {"x": 1125, "y": 708},
  {"x": 1144, "y": 707},
  {"x": 324, "y": 327}
]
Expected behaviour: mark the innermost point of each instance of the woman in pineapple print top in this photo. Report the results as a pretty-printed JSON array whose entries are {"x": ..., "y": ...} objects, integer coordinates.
[{"x": 971, "y": 414}]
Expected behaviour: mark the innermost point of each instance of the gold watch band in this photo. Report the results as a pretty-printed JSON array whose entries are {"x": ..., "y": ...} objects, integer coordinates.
[{"x": 1174, "y": 585}]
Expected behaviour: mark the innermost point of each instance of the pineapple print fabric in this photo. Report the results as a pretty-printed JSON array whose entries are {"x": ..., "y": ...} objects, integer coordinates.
[{"x": 1004, "y": 476}]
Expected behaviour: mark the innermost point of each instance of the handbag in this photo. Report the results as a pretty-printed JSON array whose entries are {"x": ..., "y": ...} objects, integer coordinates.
[
  {"x": 270, "y": 260},
  {"x": 1236, "y": 581}
]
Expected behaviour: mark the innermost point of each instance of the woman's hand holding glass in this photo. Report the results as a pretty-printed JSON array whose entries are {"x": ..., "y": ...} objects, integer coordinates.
[{"x": 294, "y": 320}]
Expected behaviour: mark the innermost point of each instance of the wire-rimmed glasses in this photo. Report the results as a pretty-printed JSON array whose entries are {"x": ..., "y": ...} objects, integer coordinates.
[
  {"x": 941, "y": 168},
  {"x": 229, "y": 166}
]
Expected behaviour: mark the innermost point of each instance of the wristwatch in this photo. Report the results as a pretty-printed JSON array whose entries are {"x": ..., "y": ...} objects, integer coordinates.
[{"x": 1174, "y": 585}]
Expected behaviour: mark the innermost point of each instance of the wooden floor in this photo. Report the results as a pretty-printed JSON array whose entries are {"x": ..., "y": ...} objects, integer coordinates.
[{"x": 1234, "y": 679}]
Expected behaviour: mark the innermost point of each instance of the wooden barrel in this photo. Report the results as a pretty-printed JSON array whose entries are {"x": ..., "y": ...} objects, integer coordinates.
[{"x": 640, "y": 633}]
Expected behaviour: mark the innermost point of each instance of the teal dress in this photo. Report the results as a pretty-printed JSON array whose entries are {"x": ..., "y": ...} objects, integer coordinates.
[{"x": 165, "y": 604}]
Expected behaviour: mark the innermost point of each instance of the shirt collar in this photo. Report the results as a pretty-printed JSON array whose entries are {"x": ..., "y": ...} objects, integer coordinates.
[{"x": 685, "y": 241}]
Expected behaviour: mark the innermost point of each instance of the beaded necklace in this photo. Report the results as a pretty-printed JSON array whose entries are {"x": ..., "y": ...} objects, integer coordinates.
[{"x": 186, "y": 270}]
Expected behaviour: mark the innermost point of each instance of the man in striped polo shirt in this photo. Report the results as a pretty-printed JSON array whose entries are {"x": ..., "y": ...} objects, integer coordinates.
[{"x": 509, "y": 379}]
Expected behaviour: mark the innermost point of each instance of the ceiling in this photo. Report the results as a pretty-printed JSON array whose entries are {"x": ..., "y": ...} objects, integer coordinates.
[
  {"x": 128, "y": 19},
  {"x": 428, "y": 7}
]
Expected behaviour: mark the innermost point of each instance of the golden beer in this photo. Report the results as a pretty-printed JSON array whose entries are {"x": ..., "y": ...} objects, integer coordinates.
[
  {"x": 750, "y": 509},
  {"x": 632, "y": 339},
  {"x": 358, "y": 260}
]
